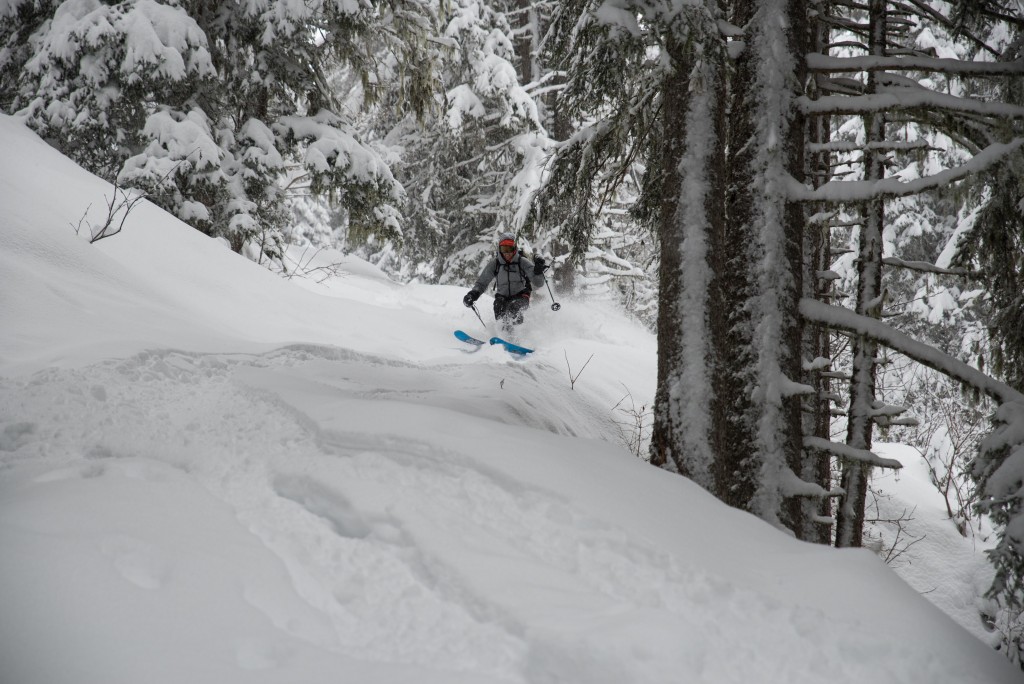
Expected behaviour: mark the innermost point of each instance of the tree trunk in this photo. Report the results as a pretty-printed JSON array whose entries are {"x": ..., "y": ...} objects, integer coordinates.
[
  {"x": 817, "y": 259},
  {"x": 735, "y": 467},
  {"x": 692, "y": 225},
  {"x": 850, "y": 518},
  {"x": 664, "y": 447},
  {"x": 798, "y": 513},
  {"x": 526, "y": 42},
  {"x": 764, "y": 447}
]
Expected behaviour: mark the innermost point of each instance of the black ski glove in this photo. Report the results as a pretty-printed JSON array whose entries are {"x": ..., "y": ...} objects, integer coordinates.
[
  {"x": 539, "y": 265},
  {"x": 470, "y": 298}
]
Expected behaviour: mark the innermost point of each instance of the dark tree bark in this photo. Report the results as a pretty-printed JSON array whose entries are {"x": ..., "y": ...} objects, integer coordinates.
[
  {"x": 760, "y": 427},
  {"x": 817, "y": 343},
  {"x": 674, "y": 98},
  {"x": 734, "y": 419},
  {"x": 719, "y": 304},
  {"x": 733, "y": 424},
  {"x": 860, "y": 426},
  {"x": 525, "y": 43},
  {"x": 692, "y": 237},
  {"x": 798, "y": 512}
]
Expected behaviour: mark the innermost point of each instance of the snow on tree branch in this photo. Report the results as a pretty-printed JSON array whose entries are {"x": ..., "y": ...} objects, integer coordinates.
[
  {"x": 1004, "y": 482},
  {"x": 730, "y": 30},
  {"x": 859, "y": 191},
  {"x": 853, "y": 146},
  {"x": 849, "y": 453},
  {"x": 331, "y": 148},
  {"x": 790, "y": 484},
  {"x": 827, "y": 64},
  {"x": 844, "y": 319},
  {"x": 891, "y": 98},
  {"x": 925, "y": 267}
]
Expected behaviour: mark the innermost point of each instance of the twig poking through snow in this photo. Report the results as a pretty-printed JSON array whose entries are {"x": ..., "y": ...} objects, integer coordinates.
[{"x": 572, "y": 378}]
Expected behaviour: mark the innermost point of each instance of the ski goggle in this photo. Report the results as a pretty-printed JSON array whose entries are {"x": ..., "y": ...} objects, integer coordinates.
[{"x": 507, "y": 249}]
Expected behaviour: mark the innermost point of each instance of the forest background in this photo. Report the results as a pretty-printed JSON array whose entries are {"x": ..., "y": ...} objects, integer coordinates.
[{"x": 816, "y": 205}]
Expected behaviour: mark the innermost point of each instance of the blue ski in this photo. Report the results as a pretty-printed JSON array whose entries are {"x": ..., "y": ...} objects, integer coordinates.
[
  {"x": 468, "y": 338},
  {"x": 511, "y": 347}
]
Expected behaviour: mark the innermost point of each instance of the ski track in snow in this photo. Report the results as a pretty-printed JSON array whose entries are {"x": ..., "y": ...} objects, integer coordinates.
[
  {"x": 354, "y": 516},
  {"x": 270, "y": 467},
  {"x": 290, "y": 485}
]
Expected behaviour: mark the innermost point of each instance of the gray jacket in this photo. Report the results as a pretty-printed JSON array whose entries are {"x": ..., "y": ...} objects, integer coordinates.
[{"x": 513, "y": 278}]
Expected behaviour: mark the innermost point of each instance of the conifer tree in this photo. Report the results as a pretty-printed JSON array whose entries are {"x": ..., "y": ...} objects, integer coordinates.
[
  {"x": 993, "y": 246},
  {"x": 753, "y": 449},
  {"x": 466, "y": 161},
  {"x": 642, "y": 118},
  {"x": 889, "y": 96},
  {"x": 203, "y": 105},
  {"x": 727, "y": 408}
]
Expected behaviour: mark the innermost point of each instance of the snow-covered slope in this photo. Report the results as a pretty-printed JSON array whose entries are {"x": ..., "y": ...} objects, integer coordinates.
[
  {"x": 211, "y": 474},
  {"x": 923, "y": 546}
]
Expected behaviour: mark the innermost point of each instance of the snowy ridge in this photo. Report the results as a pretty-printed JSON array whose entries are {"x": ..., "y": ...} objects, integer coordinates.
[{"x": 212, "y": 475}]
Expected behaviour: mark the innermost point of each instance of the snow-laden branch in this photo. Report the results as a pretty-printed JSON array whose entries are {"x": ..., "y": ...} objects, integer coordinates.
[
  {"x": 790, "y": 484},
  {"x": 844, "y": 319},
  {"x": 887, "y": 411},
  {"x": 827, "y": 64},
  {"x": 860, "y": 191},
  {"x": 941, "y": 19},
  {"x": 730, "y": 30},
  {"x": 900, "y": 97},
  {"x": 604, "y": 269},
  {"x": 926, "y": 267},
  {"x": 849, "y": 453},
  {"x": 852, "y": 146}
]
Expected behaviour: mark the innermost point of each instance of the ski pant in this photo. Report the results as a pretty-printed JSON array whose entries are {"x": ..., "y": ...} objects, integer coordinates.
[{"x": 509, "y": 310}]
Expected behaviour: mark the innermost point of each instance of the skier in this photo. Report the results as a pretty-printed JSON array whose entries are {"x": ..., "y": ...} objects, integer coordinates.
[{"x": 516, "y": 277}]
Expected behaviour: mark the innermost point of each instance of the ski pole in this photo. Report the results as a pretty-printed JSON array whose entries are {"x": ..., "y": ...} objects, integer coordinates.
[
  {"x": 479, "y": 316},
  {"x": 555, "y": 306}
]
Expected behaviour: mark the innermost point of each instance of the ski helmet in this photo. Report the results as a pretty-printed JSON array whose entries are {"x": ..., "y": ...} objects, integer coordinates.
[{"x": 507, "y": 246}]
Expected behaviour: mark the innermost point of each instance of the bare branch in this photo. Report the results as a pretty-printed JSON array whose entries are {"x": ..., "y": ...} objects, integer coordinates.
[
  {"x": 115, "y": 207},
  {"x": 572, "y": 378},
  {"x": 78, "y": 227}
]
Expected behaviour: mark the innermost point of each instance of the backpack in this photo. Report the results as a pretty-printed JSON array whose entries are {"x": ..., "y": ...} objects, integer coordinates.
[{"x": 522, "y": 273}]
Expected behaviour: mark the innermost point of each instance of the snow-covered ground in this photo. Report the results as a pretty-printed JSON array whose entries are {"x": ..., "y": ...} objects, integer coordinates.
[
  {"x": 918, "y": 541},
  {"x": 210, "y": 474}
]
